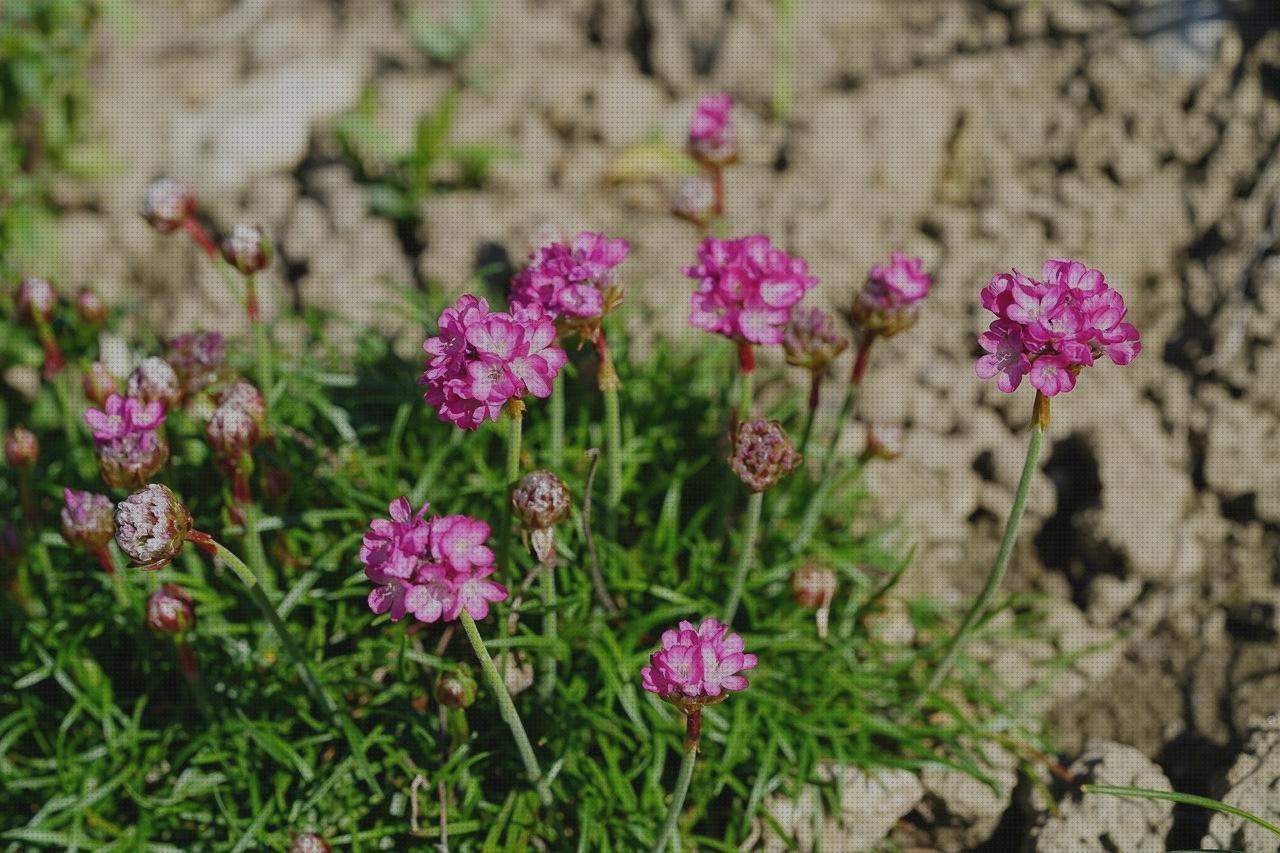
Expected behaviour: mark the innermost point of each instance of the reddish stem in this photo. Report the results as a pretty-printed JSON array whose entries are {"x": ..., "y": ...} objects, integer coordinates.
[
  {"x": 104, "y": 560},
  {"x": 197, "y": 232},
  {"x": 602, "y": 345},
  {"x": 746, "y": 357},
  {"x": 187, "y": 660},
  {"x": 203, "y": 541},
  {"x": 692, "y": 729},
  {"x": 251, "y": 301},
  {"x": 862, "y": 360},
  {"x": 815, "y": 388},
  {"x": 53, "y": 360},
  {"x": 717, "y": 186}
]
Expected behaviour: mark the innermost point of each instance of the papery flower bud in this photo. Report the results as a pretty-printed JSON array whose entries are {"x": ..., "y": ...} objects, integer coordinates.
[
  {"x": 885, "y": 439},
  {"x": 762, "y": 454},
  {"x": 813, "y": 586},
  {"x": 518, "y": 676},
  {"x": 155, "y": 379},
  {"x": 36, "y": 297},
  {"x": 88, "y": 519},
  {"x": 244, "y": 395},
  {"x": 456, "y": 689},
  {"x": 99, "y": 384},
  {"x": 90, "y": 307},
  {"x": 541, "y": 501},
  {"x": 169, "y": 204},
  {"x": 309, "y": 842},
  {"x": 130, "y": 461},
  {"x": 21, "y": 449},
  {"x": 198, "y": 358},
  {"x": 811, "y": 339},
  {"x": 170, "y": 610},
  {"x": 232, "y": 431},
  {"x": 152, "y": 525},
  {"x": 695, "y": 198},
  {"x": 246, "y": 248}
]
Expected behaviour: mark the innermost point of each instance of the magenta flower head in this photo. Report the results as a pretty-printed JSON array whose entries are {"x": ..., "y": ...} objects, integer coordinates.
[
  {"x": 21, "y": 448},
  {"x": 124, "y": 415},
  {"x": 36, "y": 298},
  {"x": 127, "y": 435},
  {"x": 88, "y": 520},
  {"x": 746, "y": 289},
  {"x": 483, "y": 359},
  {"x": 1050, "y": 330},
  {"x": 811, "y": 340},
  {"x": 431, "y": 568},
  {"x": 247, "y": 249},
  {"x": 155, "y": 379},
  {"x": 169, "y": 204},
  {"x": 711, "y": 137},
  {"x": 762, "y": 454},
  {"x": 198, "y": 358},
  {"x": 697, "y": 667},
  {"x": 574, "y": 283},
  {"x": 152, "y": 525},
  {"x": 890, "y": 300},
  {"x": 170, "y": 610}
]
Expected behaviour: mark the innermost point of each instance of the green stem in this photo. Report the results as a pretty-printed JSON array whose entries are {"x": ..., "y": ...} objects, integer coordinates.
[
  {"x": 746, "y": 390},
  {"x": 747, "y": 558},
  {"x": 515, "y": 423},
  {"x": 669, "y": 832},
  {"x": 1176, "y": 797},
  {"x": 253, "y": 546},
  {"x": 506, "y": 708},
  {"x": 979, "y": 607},
  {"x": 613, "y": 449},
  {"x": 547, "y": 677},
  {"x": 784, "y": 63},
  {"x": 70, "y": 427},
  {"x": 815, "y": 388},
  {"x": 555, "y": 454},
  {"x": 827, "y": 475},
  {"x": 261, "y": 343}
]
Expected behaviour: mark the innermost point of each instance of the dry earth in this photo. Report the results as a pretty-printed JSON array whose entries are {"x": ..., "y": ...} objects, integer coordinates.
[{"x": 981, "y": 136}]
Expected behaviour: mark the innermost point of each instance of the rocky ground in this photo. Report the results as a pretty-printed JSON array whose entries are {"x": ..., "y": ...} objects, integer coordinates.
[{"x": 981, "y": 136}]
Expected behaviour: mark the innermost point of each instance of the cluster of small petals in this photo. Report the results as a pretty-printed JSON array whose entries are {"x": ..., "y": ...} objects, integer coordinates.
[
  {"x": 36, "y": 297},
  {"x": 124, "y": 416},
  {"x": 88, "y": 519},
  {"x": 697, "y": 666},
  {"x": 127, "y": 434},
  {"x": 170, "y": 610},
  {"x": 762, "y": 454},
  {"x": 811, "y": 340},
  {"x": 21, "y": 447},
  {"x": 572, "y": 280},
  {"x": 482, "y": 359},
  {"x": 152, "y": 525},
  {"x": 1049, "y": 330},
  {"x": 746, "y": 289},
  {"x": 198, "y": 358},
  {"x": 169, "y": 204},
  {"x": 155, "y": 379},
  {"x": 890, "y": 300},
  {"x": 711, "y": 136},
  {"x": 431, "y": 568}
]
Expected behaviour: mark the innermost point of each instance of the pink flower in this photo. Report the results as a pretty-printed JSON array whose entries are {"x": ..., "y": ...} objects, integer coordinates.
[
  {"x": 746, "y": 289},
  {"x": 711, "y": 136},
  {"x": 88, "y": 519},
  {"x": 1052, "y": 329},
  {"x": 124, "y": 416},
  {"x": 482, "y": 359},
  {"x": 130, "y": 446},
  {"x": 890, "y": 300},
  {"x": 574, "y": 283},
  {"x": 697, "y": 667}
]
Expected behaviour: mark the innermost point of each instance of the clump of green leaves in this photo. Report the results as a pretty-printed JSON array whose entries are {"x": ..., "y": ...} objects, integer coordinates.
[{"x": 448, "y": 40}]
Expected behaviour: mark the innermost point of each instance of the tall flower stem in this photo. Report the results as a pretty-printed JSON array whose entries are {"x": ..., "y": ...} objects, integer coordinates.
[
  {"x": 607, "y": 378},
  {"x": 550, "y": 627},
  {"x": 815, "y": 395},
  {"x": 555, "y": 453},
  {"x": 1040, "y": 422},
  {"x": 693, "y": 727},
  {"x": 253, "y": 545},
  {"x": 506, "y": 708},
  {"x": 515, "y": 425},
  {"x": 751, "y": 528},
  {"x": 53, "y": 360},
  {"x": 746, "y": 371},
  {"x": 262, "y": 346}
]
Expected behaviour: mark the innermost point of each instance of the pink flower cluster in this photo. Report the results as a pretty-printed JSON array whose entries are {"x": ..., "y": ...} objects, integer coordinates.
[
  {"x": 890, "y": 300},
  {"x": 124, "y": 416},
  {"x": 746, "y": 288},
  {"x": 697, "y": 667},
  {"x": 433, "y": 568},
  {"x": 711, "y": 135},
  {"x": 129, "y": 443},
  {"x": 1049, "y": 330},
  {"x": 571, "y": 280},
  {"x": 481, "y": 359}
]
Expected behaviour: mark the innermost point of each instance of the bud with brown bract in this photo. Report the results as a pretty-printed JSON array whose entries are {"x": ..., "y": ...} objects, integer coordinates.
[
  {"x": 170, "y": 610},
  {"x": 21, "y": 449},
  {"x": 456, "y": 689},
  {"x": 232, "y": 432},
  {"x": 155, "y": 379},
  {"x": 88, "y": 520},
  {"x": 99, "y": 384},
  {"x": 152, "y": 525},
  {"x": 90, "y": 307},
  {"x": 36, "y": 300},
  {"x": 762, "y": 454},
  {"x": 885, "y": 440},
  {"x": 169, "y": 205},
  {"x": 814, "y": 587},
  {"x": 246, "y": 249},
  {"x": 541, "y": 501}
]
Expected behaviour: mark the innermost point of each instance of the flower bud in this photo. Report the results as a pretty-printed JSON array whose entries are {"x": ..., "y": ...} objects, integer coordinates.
[
  {"x": 90, "y": 307},
  {"x": 152, "y": 525},
  {"x": 309, "y": 842},
  {"x": 246, "y": 248},
  {"x": 243, "y": 395},
  {"x": 540, "y": 500},
  {"x": 762, "y": 454},
  {"x": 169, "y": 204},
  {"x": 88, "y": 520},
  {"x": 198, "y": 358},
  {"x": 99, "y": 384},
  {"x": 695, "y": 198},
  {"x": 170, "y": 611},
  {"x": 21, "y": 449},
  {"x": 155, "y": 379},
  {"x": 811, "y": 339},
  {"x": 814, "y": 586},
  {"x": 232, "y": 431},
  {"x": 130, "y": 461},
  {"x": 885, "y": 439},
  {"x": 456, "y": 689},
  {"x": 36, "y": 297}
]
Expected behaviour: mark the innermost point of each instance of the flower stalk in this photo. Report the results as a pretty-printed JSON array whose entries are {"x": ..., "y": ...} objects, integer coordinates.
[
  {"x": 669, "y": 833},
  {"x": 555, "y": 452},
  {"x": 750, "y": 530},
  {"x": 515, "y": 425},
  {"x": 607, "y": 378}
]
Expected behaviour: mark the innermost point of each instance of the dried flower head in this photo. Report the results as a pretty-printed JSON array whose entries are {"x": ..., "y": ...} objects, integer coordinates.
[
  {"x": 811, "y": 340},
  {"x": 746, "y": 289},
  {"x": 88, "y": 519},
  {"x": 541, "y": 501},
  {"x": 889, "y": 302},
  {"x": 198, "y": 358},
  {"x": 170, "y": 610},
  {"x": 90, "y": 307},
  {"x": 246, "y": 248},
  {"x": 21, "y": 448},
  {"x": 152, "y": 525},
  {"x": 762, "y": 454},
  {"x": 36, "y": 298},
  {"x": 169, "y": 204},
  {"x": 456, "y": 688},
  {"x": 885, "y": 439},
  {"x": 711, "y": 136},
  {"x": 697, "y": 667},
  {"x": 309, "y": 842},
  {"x": 812, "y": 585},
  {"x": 155, "y": 379}
]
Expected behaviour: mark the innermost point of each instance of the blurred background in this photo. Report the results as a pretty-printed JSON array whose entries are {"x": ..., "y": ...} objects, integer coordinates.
[{"x": 388, "y": 145}]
